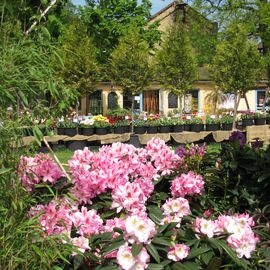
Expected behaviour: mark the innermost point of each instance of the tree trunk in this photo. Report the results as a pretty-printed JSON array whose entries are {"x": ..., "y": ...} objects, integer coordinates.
[
  {"x": 132, "y": 114},
  {"x": 236, "y": 104},
  {"x": 265, "y": 98},
  {"x": 181, "y": 107},
  {"x": 245, "y": 96}
]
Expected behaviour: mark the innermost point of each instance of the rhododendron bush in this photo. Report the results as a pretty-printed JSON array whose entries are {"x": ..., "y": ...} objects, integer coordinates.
[{"x": 131, "y": 209}]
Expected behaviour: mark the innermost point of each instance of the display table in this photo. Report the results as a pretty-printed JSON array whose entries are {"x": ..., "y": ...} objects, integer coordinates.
[
  {"x": 252, "y": 133},
  {"x": 260, "y": 132}
]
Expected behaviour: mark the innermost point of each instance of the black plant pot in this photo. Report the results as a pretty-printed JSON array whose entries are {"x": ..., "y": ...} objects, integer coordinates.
[
  {"x": 247, "y": 122},
  {"x": 60, "y": 131},
  {"x": 87, "y": 131},
  {"x": 139, "y": 130},
  {"x": 178, "y": 128},
  {"x": 70, "y": 131},
  {"x": 268, "y": 121},
  {"x": 187, "y": 127},
  {"x": 212, "y": 127},
  {"x": 152, "y": 129},
  {"x": 197, "y": 127},
  {"x": 127, "y": 129},
  {"x": 101, "y": 130},
  {"x": 227, "y": 126},
  {"x": 260, "y": 121},
  {"x": 165, "y": 129},
  {"x": 120, "y": 130}
]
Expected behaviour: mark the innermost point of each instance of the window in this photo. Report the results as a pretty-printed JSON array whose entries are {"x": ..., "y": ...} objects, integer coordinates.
[
  {"x": 112, "y": 101},
  {"x": 260, "y": 100},
  {"x": 172, "y": 101},
  {"x": 95, "y": 102},
  {"x": 127, "y": 102},
  {"x": 194, "y": 100}
]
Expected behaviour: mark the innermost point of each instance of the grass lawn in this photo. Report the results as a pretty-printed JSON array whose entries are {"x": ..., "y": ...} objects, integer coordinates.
[{"x": 65, "y": 154}]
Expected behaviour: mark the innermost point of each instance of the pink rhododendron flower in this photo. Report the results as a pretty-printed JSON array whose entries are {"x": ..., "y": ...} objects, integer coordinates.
[
  {"x": 243, "y": 243},
  {"x": 177, "y": 207},
  {"x": 87, "y": 222},
  {"x": 139, "y": 229},
  {"x": 128, "y": 262},
  {"x": 178, "y": 252},
  {"x": 129, "y": 196},
  {"x": 114, "y": 223},
  {"x": 38, "y": 169},
  {"x": 187, "y": 184},
  {"x": 55, "y": 217},
  {"x": 206, "y": 227},
  {"x": 81, "y": 243}
]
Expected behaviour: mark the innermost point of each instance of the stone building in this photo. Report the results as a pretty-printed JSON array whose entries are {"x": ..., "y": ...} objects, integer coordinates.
[{"x": 156, "y": 99}]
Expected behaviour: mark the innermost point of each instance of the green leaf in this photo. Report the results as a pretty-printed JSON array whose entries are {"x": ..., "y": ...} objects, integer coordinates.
[
  {"x": 136, "y": 249},
  {"x": 77, "y": 261},
  {"x": 155, "y": 213},
  {"x": 108, "y": 267},
  {"x": 195, "y": 252},
  {"x": 153, "y": 252},
  {"x": 5, "y": 170},
  {"x": 207, "y": 256},
  {"x": 214, "y": 264},
  {"x": 166, "y": 262},
  {"x": 154, "y": 266},
  {"x": 162, "y": 242},
  {"x": 113, "y": 246},
  {"x": 222, "y": 244}
]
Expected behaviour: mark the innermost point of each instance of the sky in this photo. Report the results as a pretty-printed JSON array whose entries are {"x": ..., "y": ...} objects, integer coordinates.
[{"x": 156, "y": 4}]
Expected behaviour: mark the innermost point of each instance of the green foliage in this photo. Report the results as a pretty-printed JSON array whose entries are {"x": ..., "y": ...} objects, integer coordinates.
[
  {"x": 28, "y": 75},
  {"x": 81, "y": 70},
  {"x": 176, "y": 67},
  {"x": 211, "y": 120},
  {"x": 130, "y": 64},
  {"x": 226, "y": 119},
  {"x": 237, "y": 64},
  {"x": 22, "y": 245},
  {"x": 109, "y": 20}
]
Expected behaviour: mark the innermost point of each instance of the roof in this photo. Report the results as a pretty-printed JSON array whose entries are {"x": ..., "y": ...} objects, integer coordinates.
[{"x": 173, "y": 3}]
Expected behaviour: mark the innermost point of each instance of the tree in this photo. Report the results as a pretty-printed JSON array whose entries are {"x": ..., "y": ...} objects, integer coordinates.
[
  {"x": 108, "y": 20},
  {"x": 176, "y": 65},
  {"x": 254, "y": 14},
  {"x": 216, "y": 97},
  {"x": 81, "y": 70},
  {"x": 237, "y": 63},
  {"x": 130, "y": 64}
]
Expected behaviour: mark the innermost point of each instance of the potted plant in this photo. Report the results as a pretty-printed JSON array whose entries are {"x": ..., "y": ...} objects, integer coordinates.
[
  {"x": 165, "y": 125},
  {"x": 101, "y": 128},
  {"x": 196, "y": 124},
  {"x": 68, "y": 128},
  {"x": 87, "y": 127},
  {"x": 212, "y": 123},
  {"x": 140, "y": 126},
  {"x": 259, "y": 119},
  {"x": 122, "y": 126},
  {"x": 226, "y": 122},
  {"x": 152, "y": 126},
  {"x": 187, "y": 125},
  {"x": 177, "y": 125},
  {"x": 247, "y": 118}
]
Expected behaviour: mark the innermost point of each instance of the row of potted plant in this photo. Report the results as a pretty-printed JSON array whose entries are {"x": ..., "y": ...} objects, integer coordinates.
[{"x": 254, "y": 118}]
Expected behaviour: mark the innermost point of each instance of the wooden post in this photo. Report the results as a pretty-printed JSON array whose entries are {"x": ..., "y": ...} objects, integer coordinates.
[
  {"x": 236, "y": 104},
  {"x": 245, "y": 96}
]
